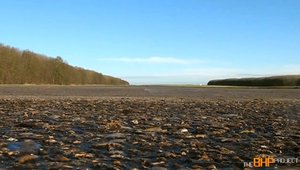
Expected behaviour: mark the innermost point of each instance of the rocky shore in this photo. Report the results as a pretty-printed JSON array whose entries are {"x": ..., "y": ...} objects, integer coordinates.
[{"x": 145, "y": 133}]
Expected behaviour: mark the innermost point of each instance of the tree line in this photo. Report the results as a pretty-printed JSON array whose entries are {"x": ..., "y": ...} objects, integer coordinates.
[
  {"x": 288, "y": 80},
  {"x": 26, "y": 67}
]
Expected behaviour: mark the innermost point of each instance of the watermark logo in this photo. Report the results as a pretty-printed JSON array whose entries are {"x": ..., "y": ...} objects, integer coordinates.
[{"x": 269, "y": 161}]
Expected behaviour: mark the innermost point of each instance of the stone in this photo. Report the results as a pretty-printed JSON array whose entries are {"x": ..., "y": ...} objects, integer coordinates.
[
  {"x": 155, "y": 129},
  {"x": 27, "y": 158}
]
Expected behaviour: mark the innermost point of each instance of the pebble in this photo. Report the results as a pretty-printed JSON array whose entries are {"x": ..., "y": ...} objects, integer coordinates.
[
  {"x": 248, "y": 131},
  {"x": 115, "y": 136},
  {"x": 155, "y": 129},
  {"x": 158, "y": 163},
  {"x": 201, "y": 136},
  {"x": 63, "y": 159},
  {"x": 12, "y": 139},
  {"x": 135, "y": 122},
  {"x": 27, "y": 158},
  {"x": 158, "y": 168},
  {"x": 140, "y": 133},
  {"x": 77, "y": 142},
  {"x": 212, "y": 167},
  {"x": 84, "y": 155},
  {"x": 27, "y": 146},
  {"x": 184, "y": 130}
]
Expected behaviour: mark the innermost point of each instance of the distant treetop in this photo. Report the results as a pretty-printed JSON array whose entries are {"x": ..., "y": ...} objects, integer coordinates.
[{"x": 26, "y": 67}]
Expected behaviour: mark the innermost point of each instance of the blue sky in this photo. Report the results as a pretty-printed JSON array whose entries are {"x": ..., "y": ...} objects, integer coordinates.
[{"x": 160, "y": 41}]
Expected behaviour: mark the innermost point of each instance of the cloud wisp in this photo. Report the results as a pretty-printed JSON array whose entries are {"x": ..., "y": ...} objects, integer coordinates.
[
  {"x": 183, "y": 76},
  {"x": 151, "y": 60},
  {"x": 203, "y": 75}
]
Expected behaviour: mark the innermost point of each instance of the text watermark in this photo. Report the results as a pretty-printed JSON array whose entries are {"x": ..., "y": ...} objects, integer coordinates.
[{"x": 269, "y": 161}]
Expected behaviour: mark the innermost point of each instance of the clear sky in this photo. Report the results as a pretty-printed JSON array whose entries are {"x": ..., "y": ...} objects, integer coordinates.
[{"x": 160, "y": 41}]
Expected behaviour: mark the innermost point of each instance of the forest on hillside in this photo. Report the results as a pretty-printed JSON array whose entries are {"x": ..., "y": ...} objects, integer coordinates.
[
  {"x": 287, "y": 80},
  {"x": 26, "y": 67}
]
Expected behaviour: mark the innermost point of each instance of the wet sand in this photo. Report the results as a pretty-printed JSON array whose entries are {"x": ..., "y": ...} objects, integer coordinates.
[{"x": 146, "y": 127}]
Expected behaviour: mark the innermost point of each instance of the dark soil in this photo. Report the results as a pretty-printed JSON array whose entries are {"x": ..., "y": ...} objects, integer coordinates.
[{"x": 193, "y": 128}]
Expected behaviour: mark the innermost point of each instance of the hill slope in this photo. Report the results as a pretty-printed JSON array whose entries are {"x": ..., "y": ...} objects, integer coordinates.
[
  {"x": 288, "y": 80},
  {"x": 26, "y": 67}
]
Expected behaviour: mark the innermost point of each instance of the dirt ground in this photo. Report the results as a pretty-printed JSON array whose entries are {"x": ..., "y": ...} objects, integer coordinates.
[
  {"x": 150, "y": 91},
  {"x": 147, "y": 127}
]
